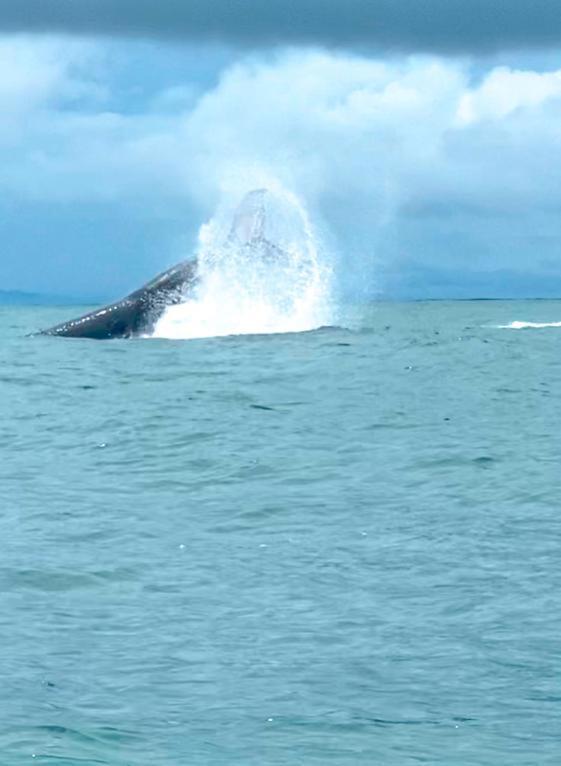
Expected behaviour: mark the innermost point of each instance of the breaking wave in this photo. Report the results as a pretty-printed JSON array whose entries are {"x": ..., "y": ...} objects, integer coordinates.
[
  {"x": 529, "y": 325},
  {"x": 261, "y": 269}
]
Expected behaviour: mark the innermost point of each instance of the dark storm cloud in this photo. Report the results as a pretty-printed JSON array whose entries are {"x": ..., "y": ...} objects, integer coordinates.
[{"x": 429, "y": 25}]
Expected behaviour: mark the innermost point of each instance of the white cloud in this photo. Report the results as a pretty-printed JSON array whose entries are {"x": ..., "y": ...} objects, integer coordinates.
[
  {"x": 370, "y": 143},
  {"x": 42, "y": 73},
  {"x": 504, "y": 91},
  {"x": 325, "y": 122}
]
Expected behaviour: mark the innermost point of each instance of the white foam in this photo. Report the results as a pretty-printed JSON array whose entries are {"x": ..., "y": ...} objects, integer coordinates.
[
  {"x": 528, "y": 325},
  {"x": 279, "y": 284}
]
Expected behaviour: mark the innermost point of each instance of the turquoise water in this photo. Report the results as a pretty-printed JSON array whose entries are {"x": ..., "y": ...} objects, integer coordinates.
[{"x": 328, "y": 547}]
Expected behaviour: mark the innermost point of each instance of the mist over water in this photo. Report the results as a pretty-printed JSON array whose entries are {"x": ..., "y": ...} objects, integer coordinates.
[{"x": 262, "y": 269}]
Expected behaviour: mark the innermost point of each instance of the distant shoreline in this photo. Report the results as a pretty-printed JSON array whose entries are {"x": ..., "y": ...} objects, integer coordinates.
[{"x": 22, "y": 298}]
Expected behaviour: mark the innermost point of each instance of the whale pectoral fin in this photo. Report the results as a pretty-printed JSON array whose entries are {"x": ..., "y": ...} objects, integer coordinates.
[{"x": 250, "y": 218}]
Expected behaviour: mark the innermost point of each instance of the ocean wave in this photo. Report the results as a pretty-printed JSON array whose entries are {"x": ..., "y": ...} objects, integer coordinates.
[{"x": 528, "y": 325}]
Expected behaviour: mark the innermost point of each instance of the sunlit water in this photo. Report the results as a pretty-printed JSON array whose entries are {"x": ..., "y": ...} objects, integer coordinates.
[{"x": 338, "y": 546}]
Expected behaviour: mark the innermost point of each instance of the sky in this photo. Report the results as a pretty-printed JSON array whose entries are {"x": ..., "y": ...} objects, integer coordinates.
[{"x": 423, "y": 137}]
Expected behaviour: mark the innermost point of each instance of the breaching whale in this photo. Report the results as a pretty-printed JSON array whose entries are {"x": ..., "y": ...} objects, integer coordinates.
[{"x": 138, "y": 313}]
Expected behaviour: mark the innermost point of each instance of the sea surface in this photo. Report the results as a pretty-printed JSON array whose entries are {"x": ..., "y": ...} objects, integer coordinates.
[{"x": 331, "y": 547}]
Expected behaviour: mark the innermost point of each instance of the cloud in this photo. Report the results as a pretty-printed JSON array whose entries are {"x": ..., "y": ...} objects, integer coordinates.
[
  {"x": 413, "y": 166},
  {"x": 384, "y": 152},
  {"x": 400, "y": 25},
  {"x": 44, "y": 71},
  {"x": 504, "y": 91}
]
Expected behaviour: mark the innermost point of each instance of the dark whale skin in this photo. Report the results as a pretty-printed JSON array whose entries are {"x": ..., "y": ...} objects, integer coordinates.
[{"x": 137, "y": 313}]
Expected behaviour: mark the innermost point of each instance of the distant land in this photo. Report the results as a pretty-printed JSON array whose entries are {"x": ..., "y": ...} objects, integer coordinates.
[{"x": 21, "y": 298}]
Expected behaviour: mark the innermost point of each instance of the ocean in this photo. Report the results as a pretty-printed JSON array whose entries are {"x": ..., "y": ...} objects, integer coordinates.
[{"x": 340, "y": 546}]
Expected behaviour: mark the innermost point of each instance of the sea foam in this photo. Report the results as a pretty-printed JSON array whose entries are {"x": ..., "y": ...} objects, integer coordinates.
[
  {"x": 276, "y": 281},
  {"x": 529, "y": 325}
]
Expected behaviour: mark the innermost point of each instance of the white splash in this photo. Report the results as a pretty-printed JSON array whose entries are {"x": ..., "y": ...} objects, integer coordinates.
[
  {"x": 261, "y": 270},
  {"x": 528, "y": 325}
]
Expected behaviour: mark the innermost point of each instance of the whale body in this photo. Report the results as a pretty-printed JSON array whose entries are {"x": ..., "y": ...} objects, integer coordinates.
[{"x": 138, "y": 313}]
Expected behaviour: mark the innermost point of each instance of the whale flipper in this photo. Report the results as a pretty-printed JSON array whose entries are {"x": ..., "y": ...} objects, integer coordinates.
[
  {"x": 248, "y": 232},
  {"x": 248, "y": 224}
]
